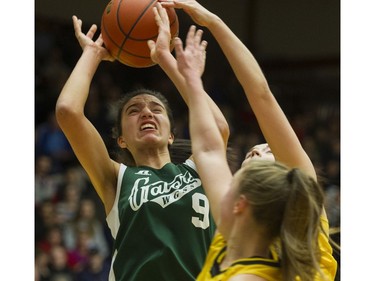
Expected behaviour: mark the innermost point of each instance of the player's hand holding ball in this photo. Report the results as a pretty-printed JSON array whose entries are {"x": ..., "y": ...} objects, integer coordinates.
[{"x": 128, "y": 25}]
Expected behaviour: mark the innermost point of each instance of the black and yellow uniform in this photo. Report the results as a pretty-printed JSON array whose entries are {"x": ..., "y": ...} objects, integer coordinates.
[
  {"x": 267, "y": 268},
  {"x": 161, "y": 224},
  {"x": 328, "y": 264}
]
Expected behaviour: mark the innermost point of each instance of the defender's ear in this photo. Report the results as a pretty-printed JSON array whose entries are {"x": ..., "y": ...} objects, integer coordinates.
[{"x": 240, "y": 205}]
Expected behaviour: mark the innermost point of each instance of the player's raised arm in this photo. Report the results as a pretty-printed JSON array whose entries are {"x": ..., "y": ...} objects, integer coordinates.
[
  {"x": 161, "y": 54},
  {"x": 85, "y": 140},
  {"x": 274, "y": 124},
  {"x": 209, "y": 149}
]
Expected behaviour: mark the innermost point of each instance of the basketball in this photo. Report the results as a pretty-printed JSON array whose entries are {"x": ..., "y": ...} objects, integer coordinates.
[{"x": 126, "y": 27}]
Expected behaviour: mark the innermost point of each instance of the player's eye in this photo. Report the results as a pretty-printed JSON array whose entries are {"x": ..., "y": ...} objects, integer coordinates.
[
  {"x": 132, "y": 110},
  {"x": 157, "y": 109}
]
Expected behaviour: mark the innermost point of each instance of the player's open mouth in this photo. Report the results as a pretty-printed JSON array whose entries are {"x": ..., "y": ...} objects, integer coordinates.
[{"x": 148, "y": 126}]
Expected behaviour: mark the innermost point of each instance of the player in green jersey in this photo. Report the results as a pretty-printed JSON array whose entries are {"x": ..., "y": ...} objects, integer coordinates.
[{"x": 157, "y": 211}]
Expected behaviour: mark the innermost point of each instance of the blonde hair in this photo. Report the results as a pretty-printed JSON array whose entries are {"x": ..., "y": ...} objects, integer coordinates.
[{"x": 288, "y": 204}]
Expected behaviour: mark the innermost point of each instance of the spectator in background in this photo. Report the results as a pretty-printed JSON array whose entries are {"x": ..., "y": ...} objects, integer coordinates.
[
  {"x": 87, "y": 222},
  {"x": 67, "y": 207},
  {"x": 59, "y": 264},
  {"x": 76, "y": 175},
  {"x": 51, "y": 141},
  {"x": 42, "y": 270},
  {"x": 78, "y": 257},
  {"x": 47, "y": 181},
  {"x": 53, "y": 237},
  {"x": 45, "y": 217},
  {"x": 97, "y": 268}
]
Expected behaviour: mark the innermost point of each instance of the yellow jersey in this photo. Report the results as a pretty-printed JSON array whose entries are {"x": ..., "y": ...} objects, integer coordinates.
[{"x": 267, "y": 268}]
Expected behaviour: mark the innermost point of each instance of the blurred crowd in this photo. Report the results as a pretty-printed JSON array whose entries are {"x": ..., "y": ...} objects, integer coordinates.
[{"x": 72, "y": 240}]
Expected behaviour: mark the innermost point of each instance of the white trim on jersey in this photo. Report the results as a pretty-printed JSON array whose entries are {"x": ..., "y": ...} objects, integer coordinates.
[
  {"x": 191, "y": 164},
  {"x": 113, "y": 216}
]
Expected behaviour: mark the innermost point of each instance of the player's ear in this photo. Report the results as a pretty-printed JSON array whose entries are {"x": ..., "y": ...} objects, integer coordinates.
[
  {"x": 121, "y": 142},
  {"x": 240, "y": 204},
  {"x": 171, "y": 139}
]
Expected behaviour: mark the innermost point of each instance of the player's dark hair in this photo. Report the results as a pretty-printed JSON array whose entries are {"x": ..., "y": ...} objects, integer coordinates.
[
  {"x": 124, "y": 155},
  {"x": 179, "y": 151}
]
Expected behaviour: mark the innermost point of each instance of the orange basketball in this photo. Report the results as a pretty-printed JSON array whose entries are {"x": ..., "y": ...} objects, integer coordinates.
[{"x": 126, "y": 27}]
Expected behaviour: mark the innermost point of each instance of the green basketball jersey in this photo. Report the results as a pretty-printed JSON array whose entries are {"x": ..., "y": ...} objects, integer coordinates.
[{"x": 161, "y": 224}]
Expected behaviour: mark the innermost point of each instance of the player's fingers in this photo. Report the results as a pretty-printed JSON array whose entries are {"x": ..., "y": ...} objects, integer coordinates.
[
  {"x": 198, "y": 37},
  {"x": 151, "y": 44},
  {"x": 173, "y": 4},
  {"x": 203, "y": 45},
  {"x": 100, "y": 40},
  {"x": 92, "y": 31},
  {"x": 157, "y": 16},
  {"x": 77, "y": 24},
  {"x": 162, "y": 13},
  {"x": 190, "y": 35},
  {"x": 178, "y": 46},
  {"x": 167, "y": 3}
]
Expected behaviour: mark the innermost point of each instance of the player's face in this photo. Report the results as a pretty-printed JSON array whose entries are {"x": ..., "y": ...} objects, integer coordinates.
[
  {"x": 259, "y": 152},
  {"x": 145, "y": 123}
]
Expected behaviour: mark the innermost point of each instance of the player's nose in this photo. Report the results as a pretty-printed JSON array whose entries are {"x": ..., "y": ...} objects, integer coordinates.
[
  {"x": 146, "y": 112},
  {"x": 254, "y": 153}
]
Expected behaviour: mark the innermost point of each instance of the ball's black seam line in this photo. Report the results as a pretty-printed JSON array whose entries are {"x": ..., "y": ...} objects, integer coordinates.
[
  {"x": 133, "y": 26},
  {"x": 127, "y": 35}
]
